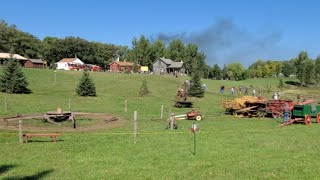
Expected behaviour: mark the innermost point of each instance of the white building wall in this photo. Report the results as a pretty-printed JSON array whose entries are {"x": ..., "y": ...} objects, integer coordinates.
[{"x": 62, "y": 65}]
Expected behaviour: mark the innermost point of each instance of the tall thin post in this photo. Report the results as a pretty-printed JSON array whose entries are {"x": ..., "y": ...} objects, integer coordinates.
[
  {"x": 194, "y": 140},
  {"x": 20, "y": 132},
  {"x": 55, "y": 75},
  {"x": 195, "y": 143},
  {"x": 69, "y": 104},
  {"x": 135, "y": 126},
  {"x": 161, "y": 113},
  {"x": 171, "y": 121},
  {"x": 5, "y": 104},
  {"x": 125, "y": 106}
]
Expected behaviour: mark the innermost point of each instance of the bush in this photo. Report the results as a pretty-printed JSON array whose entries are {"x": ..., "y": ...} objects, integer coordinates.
[
  {"x": 280, "y": 85},
  {"x": 13, "y": 80},
  {"x": 144, "y": 89},
  {"x": 86, "y": 86}
]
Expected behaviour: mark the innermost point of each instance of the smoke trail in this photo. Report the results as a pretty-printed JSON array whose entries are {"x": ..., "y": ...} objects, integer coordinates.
[{"x": 224, "y": 42}]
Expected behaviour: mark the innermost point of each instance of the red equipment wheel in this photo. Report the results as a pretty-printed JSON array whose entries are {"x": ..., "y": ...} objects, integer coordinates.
[
  {"x": 318, "y": 118},
  {"x": 307, "y": 119}
]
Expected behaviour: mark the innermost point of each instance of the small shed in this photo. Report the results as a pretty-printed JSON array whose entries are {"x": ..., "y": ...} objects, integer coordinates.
[
  {"x": 66, "y": 63},
  {"x": 34, "y": 63},
  {"x": 119, "y": 66}
]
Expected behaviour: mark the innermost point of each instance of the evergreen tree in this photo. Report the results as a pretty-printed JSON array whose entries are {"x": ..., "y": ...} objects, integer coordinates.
[
  {"x": 13, "y": 80},
  {"x": 86, "y": 86},
  {"x": 144, "y": 89},
  {"x": 195, "y": 87}
]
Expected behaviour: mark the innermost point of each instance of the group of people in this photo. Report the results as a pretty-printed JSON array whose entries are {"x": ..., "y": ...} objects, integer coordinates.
[{"x": 233, "y": 90}]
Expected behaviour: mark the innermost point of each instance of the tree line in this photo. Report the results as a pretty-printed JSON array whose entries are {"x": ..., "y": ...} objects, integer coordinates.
[
  {"x": 305, "y": 69},
  {"x": 145, "y": 52},
  {"x": 53, "y": 49}
]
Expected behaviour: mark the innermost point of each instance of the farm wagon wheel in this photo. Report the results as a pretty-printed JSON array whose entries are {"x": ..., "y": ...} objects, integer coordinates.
[
  {"x": 318, "y": 118},
  {"x": 198, "y": 117},
  {"x": 307, "y": 119},
  {"x": 276, "y": 114},
  {"x": 261, "y": 113},
  {"x": 234, "y": 113}
]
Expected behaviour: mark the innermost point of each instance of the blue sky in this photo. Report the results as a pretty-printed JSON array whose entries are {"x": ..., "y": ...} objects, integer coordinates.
[{"x": 226, "y": 30}]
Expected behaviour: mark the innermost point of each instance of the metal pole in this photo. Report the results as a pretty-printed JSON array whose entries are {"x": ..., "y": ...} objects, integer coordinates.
[
  {"x": 135, "y": 126},
  {"x": 194, "y": 140}
]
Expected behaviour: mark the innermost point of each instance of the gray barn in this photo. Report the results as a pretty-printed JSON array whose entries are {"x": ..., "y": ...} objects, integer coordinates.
[{"x": 164, "y": 66}]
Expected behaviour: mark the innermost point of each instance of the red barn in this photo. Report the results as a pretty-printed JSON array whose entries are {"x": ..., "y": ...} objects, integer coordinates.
[
  {"x": 34, "y": 63},
  {"x": 118, "y": 66}
]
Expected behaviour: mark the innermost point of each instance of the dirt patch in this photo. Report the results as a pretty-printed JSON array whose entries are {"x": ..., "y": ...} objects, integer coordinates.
[{"x": 84, "y": 122}]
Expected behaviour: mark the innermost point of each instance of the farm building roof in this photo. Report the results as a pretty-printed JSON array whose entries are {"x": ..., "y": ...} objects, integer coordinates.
[
  {"x": 166, "y": 61},
  {"x": 15, "y": 56},
  {"x": 121, "y": 63},
  {"x": 176, "y": 65},
  {"x": 38, "y": 61},
  {"x": 68, "y": 59}
]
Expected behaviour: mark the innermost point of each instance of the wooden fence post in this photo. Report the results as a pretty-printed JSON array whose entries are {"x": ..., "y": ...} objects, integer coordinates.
[
  {"x": 5, "y": 104},
  {"x": 125, "y": 106},
  {"x": 20, "y": 132},
  {"x": 135, "y": 126},
  {"x": 55, "y": 76},
  {"x": 161, "y": 113},
  {"x": 171, "y": 121}
]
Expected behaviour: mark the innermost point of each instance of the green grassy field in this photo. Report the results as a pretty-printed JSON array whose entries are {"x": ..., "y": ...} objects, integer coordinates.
[{"x": 227, "y": 148}]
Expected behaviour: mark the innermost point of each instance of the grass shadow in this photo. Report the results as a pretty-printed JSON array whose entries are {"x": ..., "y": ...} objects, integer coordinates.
[
  {"x": 5, "y": 168},
  {"x": 39, "y": 175},
  {"x": 293, "y": 83},
  {"x": 43, "y": 141}
]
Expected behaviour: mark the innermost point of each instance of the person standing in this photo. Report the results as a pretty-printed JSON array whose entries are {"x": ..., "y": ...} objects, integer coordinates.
[
  {"x": 246, "y": 91},
  {"x": 298, "y": 98},
  {"x": 240, "y": 89},
  {"x": 222, "y": 89},
  {"x": 232, "y": 90},
  {"x": 253, "y": 92},
  {"x": 286, "y": 113}
]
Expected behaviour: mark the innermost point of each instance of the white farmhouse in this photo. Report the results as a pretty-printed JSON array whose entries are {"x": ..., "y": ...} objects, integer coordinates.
[{"x": 68, "y": 63}]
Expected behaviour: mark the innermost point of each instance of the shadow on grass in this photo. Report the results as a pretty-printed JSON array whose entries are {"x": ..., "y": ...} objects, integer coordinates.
[
  {"x": 43, "y": 141},
  {"x": 293, "y": 83},
  {"x": 39, "y": 175},
  {"x": 5, "y": 168}
]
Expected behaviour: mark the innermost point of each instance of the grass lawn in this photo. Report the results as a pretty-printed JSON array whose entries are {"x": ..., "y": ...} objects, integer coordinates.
[{"x": 227, "y": 147}]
